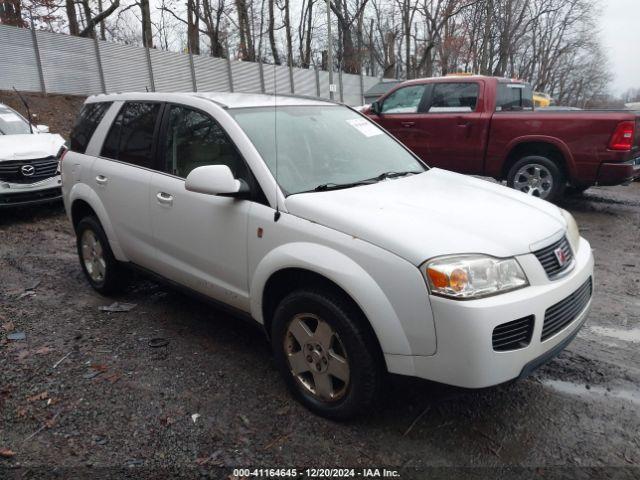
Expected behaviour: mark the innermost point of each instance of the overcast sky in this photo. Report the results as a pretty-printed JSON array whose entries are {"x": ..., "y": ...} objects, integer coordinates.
[{"x": 620, "y": 31}]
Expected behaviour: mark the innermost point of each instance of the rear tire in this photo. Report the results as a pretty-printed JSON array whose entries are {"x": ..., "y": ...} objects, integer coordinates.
[
  {"x": 326, "y": 354},
  {"x": 105, "y": 274},
  {"x": 537, "y": 176}
]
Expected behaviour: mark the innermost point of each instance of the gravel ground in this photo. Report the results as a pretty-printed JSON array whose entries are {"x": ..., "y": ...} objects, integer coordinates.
[{"x": 86, "y": 389}]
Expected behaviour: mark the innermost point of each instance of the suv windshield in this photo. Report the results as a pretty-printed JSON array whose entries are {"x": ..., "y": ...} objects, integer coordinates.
[
  {"x": 323, "y": 147},
  {"x": 11, "y": 123}
]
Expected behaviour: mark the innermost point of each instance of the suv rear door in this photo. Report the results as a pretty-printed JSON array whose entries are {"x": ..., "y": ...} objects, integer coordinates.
[
  {"x": 121, "y": 175},
  {"x": 201, "y": 240}
]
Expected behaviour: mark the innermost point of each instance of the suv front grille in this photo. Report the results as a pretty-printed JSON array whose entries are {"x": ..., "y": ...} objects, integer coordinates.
[
  {"x": 12, "y": 171},
  {"x": 566, "y": 311},
  {"x": 513, "y": 335},
  {"x": 549, "y": 259}
]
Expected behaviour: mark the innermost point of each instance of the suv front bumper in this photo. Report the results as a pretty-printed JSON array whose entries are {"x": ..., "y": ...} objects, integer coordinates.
[
  {"x": 465, "y": 356},
  {"x": 23, "y": 194}
]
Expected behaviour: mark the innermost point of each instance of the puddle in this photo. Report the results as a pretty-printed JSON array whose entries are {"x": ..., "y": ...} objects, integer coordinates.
[
  {"x": 630, "y": 335},
  {"x": 594, "y": 392}
]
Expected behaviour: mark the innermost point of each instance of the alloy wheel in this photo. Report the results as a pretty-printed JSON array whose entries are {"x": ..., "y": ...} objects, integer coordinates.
[
  {"x": 317, "y": 357},
  {"x": 534, "y": 179},
  {"x": 93, "y": 256}
]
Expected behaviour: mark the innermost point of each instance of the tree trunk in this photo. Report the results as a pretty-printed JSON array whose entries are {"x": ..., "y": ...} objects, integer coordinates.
[
  {"x": 272, "y": 36},
  {"x": 147, "y": 35},
  {"x": 72, "y": 16}
]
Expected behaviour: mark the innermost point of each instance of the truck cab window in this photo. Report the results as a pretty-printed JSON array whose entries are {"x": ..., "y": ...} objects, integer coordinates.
[
  {"x": 194, "y": 139},
  {"x": 454, "y": 97},
  {"x": 404, "y": 100}
]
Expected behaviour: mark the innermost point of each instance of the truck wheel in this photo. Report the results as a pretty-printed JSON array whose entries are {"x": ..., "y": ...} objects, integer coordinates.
[
  {"x": 537, "y": 176},
  {"x": 104, "y": 272},
  {"x": 327, "y": 358}
]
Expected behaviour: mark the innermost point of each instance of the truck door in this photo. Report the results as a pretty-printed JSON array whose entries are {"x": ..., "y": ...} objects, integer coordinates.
[
  {"x": 456, "y": 127},
  {"x": 400, "y": 114}
]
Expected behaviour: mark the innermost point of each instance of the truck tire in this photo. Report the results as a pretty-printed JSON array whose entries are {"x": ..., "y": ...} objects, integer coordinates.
[
  {"x": 537, "y": 176},
  {"x": 104, "y": 273},
  {"x": 326, "y": 355}
]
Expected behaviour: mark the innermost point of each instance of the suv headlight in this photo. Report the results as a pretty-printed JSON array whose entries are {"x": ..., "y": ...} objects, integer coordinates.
[
  {"x": 573, "y": 232},
  {"x": 473, "y": 276}
]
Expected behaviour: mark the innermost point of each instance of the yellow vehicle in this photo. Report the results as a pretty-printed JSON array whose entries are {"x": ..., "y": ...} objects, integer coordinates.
[{"x": 541, "y": 99}]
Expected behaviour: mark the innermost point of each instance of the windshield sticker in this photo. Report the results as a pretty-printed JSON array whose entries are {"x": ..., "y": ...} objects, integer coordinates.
[
  {"x": 365, "y": 127},
  {"x": 10, "y": 117}
]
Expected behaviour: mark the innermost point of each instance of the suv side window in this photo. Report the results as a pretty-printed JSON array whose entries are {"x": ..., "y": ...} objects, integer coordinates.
[
  {"x": 131, "y": 136},
  {"x": 454, "y": 97},
  {"x": 86, "y": 123},
  {"x": 194, "y": 139},
  {"x": 404, "y": 100}
]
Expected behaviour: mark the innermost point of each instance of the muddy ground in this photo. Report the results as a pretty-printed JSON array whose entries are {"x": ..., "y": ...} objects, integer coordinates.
[{"x": 86, "y": 389}]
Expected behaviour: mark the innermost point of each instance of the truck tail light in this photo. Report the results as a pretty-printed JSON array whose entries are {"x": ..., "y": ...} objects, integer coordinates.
[{"x": 622, "y": 138}]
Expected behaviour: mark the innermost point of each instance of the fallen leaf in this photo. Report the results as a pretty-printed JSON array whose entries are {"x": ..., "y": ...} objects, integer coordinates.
[
  {"x": 99, "y": 368},
  {"x": 43, "y": 350},
  {"x": 8, "y": 327},
  {"x": 7, "y": 453},
  {"x": 22, "y": 412},
  {"x": 39, "y": 396}
]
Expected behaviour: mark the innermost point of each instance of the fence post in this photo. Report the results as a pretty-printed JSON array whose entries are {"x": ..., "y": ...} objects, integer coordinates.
[
  {"x": 150, "y": 68},
  {"x": 103, "y": 84},
  {"x": 293, "y": 89},
  {"x": 340, "y": 83},
  {"x": 36, "y": 50},
  {"x": 362, "y": 102},
  {"x": 262, "y": 86},
  {"x": 229, "y": 66},
  {"x": 192, "y": 68},
  {"x": 315, "y": 68}
]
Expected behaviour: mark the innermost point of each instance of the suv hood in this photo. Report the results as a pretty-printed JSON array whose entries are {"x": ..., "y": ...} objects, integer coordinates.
[
  {"x": 434, "y": 213},
  {"x": 29, "y": 146}
]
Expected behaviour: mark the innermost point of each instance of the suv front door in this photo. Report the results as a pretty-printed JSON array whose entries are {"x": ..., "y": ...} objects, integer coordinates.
[{"x": 201, "y": 240}]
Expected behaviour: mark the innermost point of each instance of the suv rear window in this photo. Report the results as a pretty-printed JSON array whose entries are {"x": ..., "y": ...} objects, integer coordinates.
[
  {"x": 131, "y": 136},
  {"x": 514, "y": 96},
  {"x": 86, "y": 123}
]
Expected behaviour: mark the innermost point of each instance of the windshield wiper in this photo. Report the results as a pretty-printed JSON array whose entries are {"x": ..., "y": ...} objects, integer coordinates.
[
  {"x": 368, "y": 181},
  {"x": 337, "y": 186},
  {"x": 385, "y": 175}
]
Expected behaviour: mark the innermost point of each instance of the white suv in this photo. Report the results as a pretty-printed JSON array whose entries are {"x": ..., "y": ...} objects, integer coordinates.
[
  {"x": 302, "y": 214},
  {"x": 28, "y": 161}
]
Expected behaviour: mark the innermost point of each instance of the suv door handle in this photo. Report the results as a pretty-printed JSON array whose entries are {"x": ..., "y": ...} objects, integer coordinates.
[
  {"x": 101, "y": 180},
  {"x": 164, "y": 198},
  {"x": 407, "y": 124}
]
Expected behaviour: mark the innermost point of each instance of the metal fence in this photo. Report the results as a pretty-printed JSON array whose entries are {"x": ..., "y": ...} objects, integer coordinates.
[{"x": 39, "y": 61}]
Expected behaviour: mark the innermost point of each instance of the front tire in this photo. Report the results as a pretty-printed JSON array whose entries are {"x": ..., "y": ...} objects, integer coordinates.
[
  {"x": 537, "y": 176},
  {"x": 327, "y": 354},
  {"x": 100, "y": 267}
]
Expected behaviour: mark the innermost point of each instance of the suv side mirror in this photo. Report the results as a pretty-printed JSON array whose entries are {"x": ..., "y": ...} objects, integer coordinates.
[
  {"x": 215, "y": 180},
  {"x": 376, "y": 108},
  {"x": 42, "y": 128}
]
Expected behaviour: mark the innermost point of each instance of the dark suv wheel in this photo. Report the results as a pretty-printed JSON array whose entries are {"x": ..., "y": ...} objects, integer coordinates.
[
  {"x": 104, "y": 272},
  {"x": 537, "y": 176},
  {"x": 326, "y": 354}
]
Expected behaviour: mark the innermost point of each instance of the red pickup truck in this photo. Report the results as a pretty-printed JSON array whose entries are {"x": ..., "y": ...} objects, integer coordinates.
[{"x": 487, "y": 126}]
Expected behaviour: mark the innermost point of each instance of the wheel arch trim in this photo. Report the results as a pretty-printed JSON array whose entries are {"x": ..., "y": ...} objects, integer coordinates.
[
  {"x": 82, "y": 192},
  {"x": 345, "y": 273}
]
